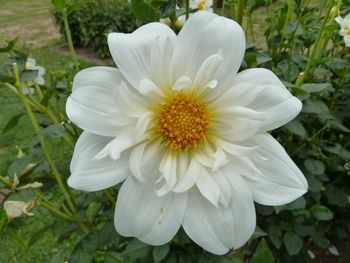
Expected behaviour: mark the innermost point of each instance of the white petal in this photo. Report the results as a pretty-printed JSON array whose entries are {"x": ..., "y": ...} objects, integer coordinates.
[
  {"x": 280, "y": 181},
  {"x": 208, "y": 187},
  {"x": 274, "y": 99},
  {"x": 189, "y": 179},
  {"x": 203, "y": 35},
  {"x": 132, "y": 52},
  {"x": 103, "y": 77},
  {"x": 141, "y": 213},
  {"x": 136, "y": 162},
  {"x": 92, "y": 106},
  {"x": 207, "y": 225},
  {"x": 242, "y": 207},
  {"x": 90, "y": 174},
  {"x": 217, "y": 229},
  {"x": 184, "y": 82},
  {"x": 168, "y": 170},
  {"x": 118, "y": 145},
  {"x": 207, "y": 70}
]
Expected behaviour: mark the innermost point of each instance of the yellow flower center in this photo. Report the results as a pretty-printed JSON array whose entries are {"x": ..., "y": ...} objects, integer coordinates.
[
  {"x": 201, "y": 4},
  {"x": 347, "y": 31},
  {"x": 183, "y": 122}
]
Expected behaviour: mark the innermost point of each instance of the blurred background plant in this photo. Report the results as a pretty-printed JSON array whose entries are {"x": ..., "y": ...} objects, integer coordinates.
[{"x": 42, "y": 220}]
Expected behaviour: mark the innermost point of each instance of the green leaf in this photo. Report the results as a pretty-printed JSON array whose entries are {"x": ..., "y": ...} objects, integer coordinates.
[
  {"x": 321, "y": 212},
  {"x": 159, "y": 253},
  {"x": 144, "y": 11},
  {"x": 299, "y": 203},
  {"x": 293, "y": 243},
  {"x": 136, "y": 249},
  {"x": 314, "y": 166},
  {"x": 58, "y": 257},
  {"x": 315, "y": 87},
  {"x": 296, "y": 127},
  {"x": 54, "y": 131},
  {"x": 315, "y": 106},
  {"x": 8, "y": 79},
  {"x": 59, "y": 4},
  {"x": 258, "y": 233},
  {"x": 9, "y": 46},
  {"x": 29, "y": 75},
  {"x": 263, "y": 253},
  {"x": 76, "y": 5},
  {"x": 11, "y": 123}
]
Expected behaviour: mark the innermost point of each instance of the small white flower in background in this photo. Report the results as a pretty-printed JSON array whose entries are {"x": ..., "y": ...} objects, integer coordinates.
[
  {"x": 194, "y": 4},
  {"x": 17, "y": 208},
  {"x": 31, "y": 65},
  {"x": 187, "y": 133},
  {"x": 344, "y": 28},
  {"x": 202, "y": 5}
]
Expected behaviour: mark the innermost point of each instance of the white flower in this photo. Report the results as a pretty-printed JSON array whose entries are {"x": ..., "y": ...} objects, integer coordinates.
[
  {"x": 202, "y": 5},
  {"x": 205, "y": 5},
  {"x": 31, "y": 65},
  {"x": 344, "y": 28},
  {"x": 186, "y": 131}
]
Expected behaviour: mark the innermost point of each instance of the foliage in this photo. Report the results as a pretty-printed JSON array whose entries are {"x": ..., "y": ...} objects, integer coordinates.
[
  {"x": 91, "y": 21},
  {"x": 317, "y": 140}
]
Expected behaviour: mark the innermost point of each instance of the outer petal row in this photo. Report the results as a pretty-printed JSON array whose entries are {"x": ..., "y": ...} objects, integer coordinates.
[{"x": 90, "y": 174}]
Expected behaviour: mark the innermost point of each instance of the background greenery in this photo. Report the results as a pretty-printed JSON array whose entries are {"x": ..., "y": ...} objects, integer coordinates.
[{"x": 285, "y": 36}]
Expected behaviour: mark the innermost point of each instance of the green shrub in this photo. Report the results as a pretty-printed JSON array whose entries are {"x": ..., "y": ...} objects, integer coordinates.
[{"x": 91, "y": 23}]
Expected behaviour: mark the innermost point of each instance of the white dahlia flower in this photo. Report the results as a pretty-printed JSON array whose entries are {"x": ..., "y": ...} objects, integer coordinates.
[
  {"x": 344, "y": 28},
  {"x": 186, "y": 132}
]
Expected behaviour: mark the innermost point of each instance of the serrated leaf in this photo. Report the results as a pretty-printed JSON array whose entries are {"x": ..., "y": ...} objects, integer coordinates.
[
  {"x": 293, "y": 243},
  {"x": 314, "y": 166},
  {"x": 160, "y": 252},
  {"x": 11, "y": 123},
  {"x": 321, "y": 212},
  {"x": 144, "y": 11},
  {"x": 263, "y": 253}
]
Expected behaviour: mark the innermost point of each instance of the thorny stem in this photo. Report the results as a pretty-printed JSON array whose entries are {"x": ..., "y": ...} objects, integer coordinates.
[{"x": 42, "y": 141}]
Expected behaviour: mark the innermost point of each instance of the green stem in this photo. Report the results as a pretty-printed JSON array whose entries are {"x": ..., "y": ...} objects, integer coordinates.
[
  {"x": 38, "y": 90},
  {"x": 41, "y": 139},
  {"x": 187, "y": 6},
  {"x": 314, "y": 51},
  {"x": 240, "y": 10},
  {"x": 36, "y": 105},
  {"x": 69, "y": 36},
  {"x": 223, "y": 6},
  {"x": 53, "y": 209}
]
